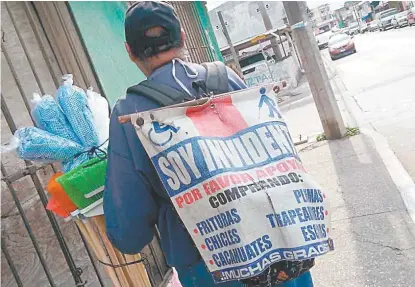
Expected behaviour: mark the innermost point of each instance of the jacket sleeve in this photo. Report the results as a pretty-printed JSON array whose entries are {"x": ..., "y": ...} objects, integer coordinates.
[
  {"x": 235, "y": 82},
  {"x": 129, "y": 207}
]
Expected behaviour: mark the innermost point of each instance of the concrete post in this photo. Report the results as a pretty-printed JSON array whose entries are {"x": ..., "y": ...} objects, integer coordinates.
[
  {"x": 228, "y": 39},
  {"x": 268, "y": 26},
  {"x": 318, "y": 80}
]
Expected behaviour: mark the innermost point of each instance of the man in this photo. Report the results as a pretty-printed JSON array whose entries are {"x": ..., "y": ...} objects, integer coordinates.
[{"x": 134, "y": 199}]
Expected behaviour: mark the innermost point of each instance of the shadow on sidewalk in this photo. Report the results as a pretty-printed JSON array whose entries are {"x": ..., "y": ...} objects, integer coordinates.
[{"x": 370, "y": 227}]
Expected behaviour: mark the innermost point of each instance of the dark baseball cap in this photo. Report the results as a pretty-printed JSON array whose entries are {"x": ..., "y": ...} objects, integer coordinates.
[{"x": 144, "y": 15}]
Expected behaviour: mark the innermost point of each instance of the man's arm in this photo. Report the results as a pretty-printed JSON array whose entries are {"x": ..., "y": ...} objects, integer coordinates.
[{"x": 129, "y": 207}]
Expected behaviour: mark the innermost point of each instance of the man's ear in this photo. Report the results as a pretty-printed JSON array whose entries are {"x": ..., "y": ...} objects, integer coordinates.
[
  {"x": 183, "y": 35},
  {"x": 130, "y": 53}
]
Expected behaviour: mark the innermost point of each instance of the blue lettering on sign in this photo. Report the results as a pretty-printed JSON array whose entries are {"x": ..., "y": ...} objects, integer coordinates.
[
  {"x": 218, "y": 221},
  {"x": 256, "y": 267},
  {"x": 294, "y": 216},
  {"x": 249, "y": 82},
  {"x": 313, "y": 232},
  {"x": 308, "y": 195},
  {"x": 264, "y": 77},
  {"x": 243, "y": 253},
  {"x": 222, "y": 239},
  {"x": 197, "y": 159}
]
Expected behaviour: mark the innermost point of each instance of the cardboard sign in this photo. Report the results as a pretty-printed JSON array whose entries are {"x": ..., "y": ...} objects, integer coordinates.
[{"x": 231, "y": 170}]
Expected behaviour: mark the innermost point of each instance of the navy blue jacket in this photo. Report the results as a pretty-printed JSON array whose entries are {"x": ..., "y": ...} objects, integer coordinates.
[{"x": 134, "y": 198}]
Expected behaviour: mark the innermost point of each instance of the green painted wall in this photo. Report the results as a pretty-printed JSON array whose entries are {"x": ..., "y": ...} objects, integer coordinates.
[
  {"x": 207, "y": 26},
  {"x": 101, "y": 25}
]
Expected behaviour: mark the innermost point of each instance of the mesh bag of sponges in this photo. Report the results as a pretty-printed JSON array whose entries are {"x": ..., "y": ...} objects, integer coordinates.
[
  {"x": 49, "y": 117},
  {"x": 36, "y": 144},
  {"x": 74, "y": 104}
]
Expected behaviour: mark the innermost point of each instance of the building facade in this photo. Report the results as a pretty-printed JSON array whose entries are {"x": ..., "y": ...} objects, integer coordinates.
[
  {"x": 344, "y": 16},
  {"x": 321, "y": 14},
  {"x": 243, "y": 20}
]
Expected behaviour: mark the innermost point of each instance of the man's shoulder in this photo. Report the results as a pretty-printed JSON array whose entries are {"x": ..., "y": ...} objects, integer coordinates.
[
  {"x": 133, "y": 103},
  {"x": 235, "y": 82}
]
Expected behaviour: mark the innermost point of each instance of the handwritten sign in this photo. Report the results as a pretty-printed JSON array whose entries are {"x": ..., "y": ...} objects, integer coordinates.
[{"x": 232, "y": 173}]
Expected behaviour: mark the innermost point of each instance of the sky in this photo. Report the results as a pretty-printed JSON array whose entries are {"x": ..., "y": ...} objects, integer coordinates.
[{"x": 212, "y": 4}]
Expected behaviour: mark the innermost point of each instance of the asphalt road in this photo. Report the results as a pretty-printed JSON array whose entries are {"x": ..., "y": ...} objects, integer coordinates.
[
  {"x": 381, "y": 79},
  {"x": 372, "y": 232}
]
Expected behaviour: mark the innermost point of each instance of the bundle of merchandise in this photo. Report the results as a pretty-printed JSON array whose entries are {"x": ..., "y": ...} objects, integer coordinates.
[
  {"x": 65, "y": 129},
  {"x": 73, "y": 130},
  {"x": 75, "y": 193}
]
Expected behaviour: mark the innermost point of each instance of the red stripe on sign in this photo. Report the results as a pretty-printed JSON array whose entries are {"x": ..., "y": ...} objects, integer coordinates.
[{"x": 221, "y": 121}]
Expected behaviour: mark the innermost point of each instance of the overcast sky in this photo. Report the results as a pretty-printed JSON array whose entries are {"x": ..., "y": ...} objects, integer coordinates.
[{"x": 212, "y": 4}]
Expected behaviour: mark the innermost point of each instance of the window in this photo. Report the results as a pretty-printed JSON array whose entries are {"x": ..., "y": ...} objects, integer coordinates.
[
  {"x": 285, "y": 19},
  {"x": 251, "y": 60},
  {"x": 338, "y": 39},
  {"x": 388, "y": 13},
  {"x": 323, "y": 29}
]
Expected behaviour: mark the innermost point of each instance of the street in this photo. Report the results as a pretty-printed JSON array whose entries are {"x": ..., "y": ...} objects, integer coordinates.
[
  {"x": 210, "y": 190},
  {"x": 381, "y": 79},
  {"x": 373, "y": 234}
]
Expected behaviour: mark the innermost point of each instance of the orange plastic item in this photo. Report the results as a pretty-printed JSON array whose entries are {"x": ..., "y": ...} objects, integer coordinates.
[
  {"x": 59, "y": 195},
  {"x": 53, "y": 205}
]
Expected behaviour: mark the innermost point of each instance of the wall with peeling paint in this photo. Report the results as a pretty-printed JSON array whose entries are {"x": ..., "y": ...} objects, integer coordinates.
[{"x": 101, "y": 27}]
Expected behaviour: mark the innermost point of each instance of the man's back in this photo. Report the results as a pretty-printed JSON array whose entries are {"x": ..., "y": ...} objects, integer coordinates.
[{"x": 134, "y": 199}]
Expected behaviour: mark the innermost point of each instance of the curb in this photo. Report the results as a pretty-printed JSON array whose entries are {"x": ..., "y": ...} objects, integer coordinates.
[{"x": 397, "y": 172}]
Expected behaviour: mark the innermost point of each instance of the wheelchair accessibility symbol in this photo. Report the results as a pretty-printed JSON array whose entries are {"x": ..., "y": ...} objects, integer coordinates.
[{"x": 161, "y": 134}]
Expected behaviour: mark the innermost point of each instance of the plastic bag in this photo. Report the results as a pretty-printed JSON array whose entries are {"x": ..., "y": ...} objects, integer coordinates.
[
  {"x": 11, "y": 146},
  {"x": 55, "y": 206},
  {"x": 100, "y": 112},
  {"x": 39, "y": 145},
  {"x": 50, "y": 117},
  {"x": 74, "y": 104},
  {"x": 75, "y": 162},
  {"x": 84, "y": 184}
]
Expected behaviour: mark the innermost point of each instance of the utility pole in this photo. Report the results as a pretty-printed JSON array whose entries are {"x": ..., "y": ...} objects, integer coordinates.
[
  {"x": 228, "y": 39},
  {"x": 315, "y": 71},
  {"x": 268, "y": 26}
]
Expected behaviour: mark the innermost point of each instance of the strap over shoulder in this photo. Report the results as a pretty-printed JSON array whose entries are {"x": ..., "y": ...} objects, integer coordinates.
[
  {"x": 216, "y": 77},
  {"x": 159, "y": 93}
]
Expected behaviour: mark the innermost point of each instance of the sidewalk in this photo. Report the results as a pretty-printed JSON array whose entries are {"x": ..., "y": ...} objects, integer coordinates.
[{"x": 373, "y": 234}]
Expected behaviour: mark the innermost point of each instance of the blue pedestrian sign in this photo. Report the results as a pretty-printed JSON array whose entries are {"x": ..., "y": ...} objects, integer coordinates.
[{"x": 272, "y": 106}]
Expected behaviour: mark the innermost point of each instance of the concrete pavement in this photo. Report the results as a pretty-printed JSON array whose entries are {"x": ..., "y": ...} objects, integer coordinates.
[
  {"x": 374, "y": 235},
  {"x": 380, "y": 78}
]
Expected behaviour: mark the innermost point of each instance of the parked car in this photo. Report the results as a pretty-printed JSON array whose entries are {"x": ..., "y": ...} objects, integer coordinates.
[
  {"x": 254, "y": 62},
  {"x": 341, "y": 45},
  {"x": 385, "y": 19},
  {"x": 323, "y": 39},
  {"x": 354, "y": 29},
  {"x": 373, "y": 26},
  {"x": 400, "y": 19},
  {"x": 411, "y": 16},
  {"x": 364, "y": 27}
]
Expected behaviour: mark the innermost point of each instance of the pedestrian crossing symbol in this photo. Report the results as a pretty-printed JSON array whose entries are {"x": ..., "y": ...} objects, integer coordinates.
[{"x": 270, "y": 103}]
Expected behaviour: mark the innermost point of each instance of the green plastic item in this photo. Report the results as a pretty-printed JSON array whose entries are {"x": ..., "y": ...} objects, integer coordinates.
[{"x": 85, "y": 184}]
